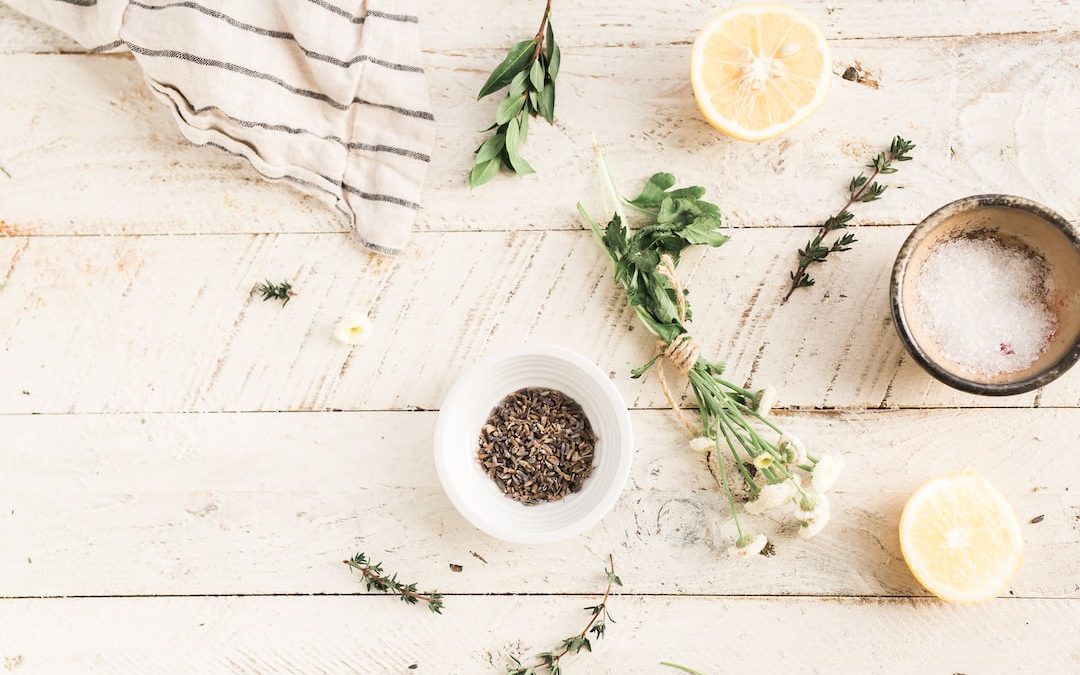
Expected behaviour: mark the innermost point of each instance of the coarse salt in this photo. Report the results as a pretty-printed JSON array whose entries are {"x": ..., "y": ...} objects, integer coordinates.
[{"x": 984, "y": 304}]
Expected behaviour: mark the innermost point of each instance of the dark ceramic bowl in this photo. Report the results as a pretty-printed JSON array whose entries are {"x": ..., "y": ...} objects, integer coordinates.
[{"x": 1012, "y": 220}]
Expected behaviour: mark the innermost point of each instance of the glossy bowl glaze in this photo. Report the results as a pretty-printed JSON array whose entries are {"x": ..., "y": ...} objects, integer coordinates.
[
  {"x": 467, "y": 407},
  {"x": 1014, "y": 221}
]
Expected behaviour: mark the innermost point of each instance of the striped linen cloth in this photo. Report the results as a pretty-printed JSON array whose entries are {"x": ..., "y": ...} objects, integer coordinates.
[{"x": 326, "y": 94}]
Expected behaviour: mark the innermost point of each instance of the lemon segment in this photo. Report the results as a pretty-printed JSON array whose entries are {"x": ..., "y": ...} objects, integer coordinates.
[
  {"x": 758, "y": 70},
  {"x": 960, "y": 538}
]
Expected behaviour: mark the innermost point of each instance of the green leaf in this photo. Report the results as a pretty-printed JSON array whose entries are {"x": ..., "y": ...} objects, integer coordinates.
[
  {"x": 517, "y": 85},
  {"x": 517, "y": 59},
  {"x": 524, "y": 128},
  {"x": 508, "y": 108},
  {"x": 552, "y": 53},
  {"x": 553, "y": 62},
  {"x": 534, "y": 106},
  {"x": 513, "y": 141},
  {"x": 482, "y": 172},
  {"x": 704, "y": 231},
  {"x": 491, "y": 148},
  {"x": 547, "y": 102},
  {"x": 653, "y": 192},
  {"x": 536, "y": 75}
]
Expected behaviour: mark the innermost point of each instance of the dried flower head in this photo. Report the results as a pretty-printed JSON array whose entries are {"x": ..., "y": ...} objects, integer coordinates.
[
  {"x": 772, "y": 497},
  {"x": 765, "y": 399},
  {"x": 702, "y": 444},
  {"x": 748, "y": 545},
  {"x": 354, "y": 330},
  {"x": 813, "y": 523},
  {"x": 792, "y": 449},
  {"x": 826, "y": 472}
]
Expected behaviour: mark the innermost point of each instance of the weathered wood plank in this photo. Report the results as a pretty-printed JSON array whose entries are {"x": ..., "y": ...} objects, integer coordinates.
[
  {"x": 271, "y": 503},
  {"x": 332, "y": 635},
  {"x": 988, "y": 114},
  {"x": 137, "y": 324},
  {"x": 492, "y": 24}
]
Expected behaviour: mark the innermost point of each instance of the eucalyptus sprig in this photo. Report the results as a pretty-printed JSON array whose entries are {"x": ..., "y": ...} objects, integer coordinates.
[
  {"x": 599, "y": 618},
  {"x": 862, "y": 188},
  {"x": 529, "y": 70},
  {"x": 735, "y": 427},
  {"x": 376, "y": 580},
  {"x": 271, "y": 291}
]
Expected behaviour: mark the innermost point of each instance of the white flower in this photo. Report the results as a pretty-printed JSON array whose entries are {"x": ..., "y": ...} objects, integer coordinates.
[
  {"x": 826, "y": 471},
  {"x": 813, "y": 502},
  {"x": 812, "y": 523},
  {"x": 763, "y": 461},
  {"x": 354, "y": 330},
  {"x": 748, "y": 545},
  {"x": 702, "y": 444},
  {"x": 766, "y": 399},
  {"x": 792, "y": 448},
  {"x": 772, "y": 497}
]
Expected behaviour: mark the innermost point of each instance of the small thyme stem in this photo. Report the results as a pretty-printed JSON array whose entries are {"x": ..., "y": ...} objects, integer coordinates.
[
  {"x": 375, "y": 579},
  {"x": 596, "y": 625},
  {"x": 800, "y": 274},
  {"x": 860, "y": 189}
]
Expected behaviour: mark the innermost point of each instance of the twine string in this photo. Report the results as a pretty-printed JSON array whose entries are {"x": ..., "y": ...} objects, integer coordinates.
[{"x": 683, "y": 352}]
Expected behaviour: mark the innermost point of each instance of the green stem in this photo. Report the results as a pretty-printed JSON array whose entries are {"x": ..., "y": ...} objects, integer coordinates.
[
  {"x": 685, "y": 669},
  {"x": 727, "y": 484}
]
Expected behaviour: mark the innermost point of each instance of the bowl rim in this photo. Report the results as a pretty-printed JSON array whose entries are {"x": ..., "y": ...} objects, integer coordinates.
[
  {"x": 903, "y": 329},
  {"x": 624, "y": 449}
]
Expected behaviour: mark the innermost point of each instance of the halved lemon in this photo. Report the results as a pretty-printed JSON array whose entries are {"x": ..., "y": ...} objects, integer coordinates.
[
  {"x": 960, "y": 538},
  {"x": 758, "y": 70}
]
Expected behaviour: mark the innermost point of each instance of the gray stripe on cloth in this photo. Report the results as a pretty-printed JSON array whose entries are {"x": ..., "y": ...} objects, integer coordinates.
[
  {"x": 107, "y": 47},
  {"x": 378, "y": 248},
  {"x": 80, "y": 3},
  {"x": 360, "y": 19},
  {"x": 352, "y": 145},
  {"x": 281, "y": 35},
  {"x": 299, "y": 91}
]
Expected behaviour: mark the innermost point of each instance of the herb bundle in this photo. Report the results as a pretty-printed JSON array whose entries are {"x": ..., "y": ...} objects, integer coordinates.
[
  {"x": 376, "y": 580},
  {"x": 551, "y": 662},
  {"x": 529, "y": 70},
  {"x": 862, "y": 188},
  {"x": 734, "y": 424}
]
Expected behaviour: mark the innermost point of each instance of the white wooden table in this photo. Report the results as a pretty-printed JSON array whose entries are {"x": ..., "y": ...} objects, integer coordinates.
[{"x": 183, "y": 467}]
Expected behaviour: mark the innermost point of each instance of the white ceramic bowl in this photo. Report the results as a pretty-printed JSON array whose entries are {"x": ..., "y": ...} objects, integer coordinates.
[{"x": 466, "y": 408}]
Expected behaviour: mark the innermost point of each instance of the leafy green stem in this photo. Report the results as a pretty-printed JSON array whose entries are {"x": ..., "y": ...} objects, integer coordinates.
[
  {"x": 862, "y": 188},
  {"x": 375, "y": 579},
  {"x": 597, "y": 625}
]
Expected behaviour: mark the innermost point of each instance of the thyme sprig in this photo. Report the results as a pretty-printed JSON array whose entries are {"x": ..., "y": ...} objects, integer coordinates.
[
  {"x": 271, "y": 291},
  {"x": 529, "y": 70},
  {"x": 377, "y": 580},
  {"x": 862, "y": 188},
  {"x": 599, "y": 618}
]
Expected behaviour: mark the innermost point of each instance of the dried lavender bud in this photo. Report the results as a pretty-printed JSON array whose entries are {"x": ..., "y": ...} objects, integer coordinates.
[{"x": 537, "y": 446}]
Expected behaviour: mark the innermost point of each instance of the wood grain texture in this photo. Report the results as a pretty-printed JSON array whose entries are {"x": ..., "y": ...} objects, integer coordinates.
[
  {"x": 491, "y": 24},
  {"x": 271, "y": 503},
  {"x": 377, "y": 636},
  {"x": 138, "y": 324},
  {"x": 990, "y": 114}
]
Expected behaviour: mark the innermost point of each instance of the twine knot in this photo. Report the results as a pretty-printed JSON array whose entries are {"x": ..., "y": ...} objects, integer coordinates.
[{"x": 683, "y": 353}]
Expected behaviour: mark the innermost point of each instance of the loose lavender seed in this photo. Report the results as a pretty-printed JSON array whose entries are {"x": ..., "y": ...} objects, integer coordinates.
[{"x": 537, "y": 446}]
